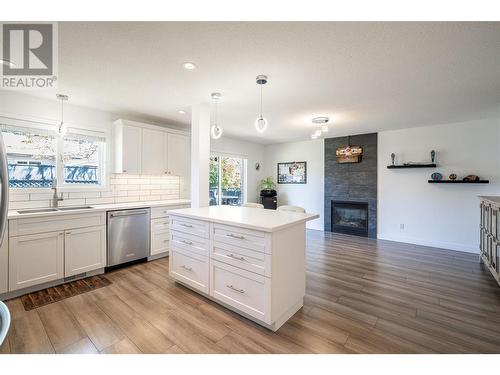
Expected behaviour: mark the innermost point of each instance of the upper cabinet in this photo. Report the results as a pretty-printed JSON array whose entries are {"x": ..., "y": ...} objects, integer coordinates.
[
  {"x": 178, "y": 154},
  {"x": 148, "y": 149},
  {"x": 154, "y": 151}
]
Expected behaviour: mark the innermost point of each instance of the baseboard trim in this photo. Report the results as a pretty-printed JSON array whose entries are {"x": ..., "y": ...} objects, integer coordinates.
[{"x": 473, "y": 249}]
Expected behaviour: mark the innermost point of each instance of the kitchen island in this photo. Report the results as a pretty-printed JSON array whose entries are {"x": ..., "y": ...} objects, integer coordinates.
[{"x": 249, "y": 260}]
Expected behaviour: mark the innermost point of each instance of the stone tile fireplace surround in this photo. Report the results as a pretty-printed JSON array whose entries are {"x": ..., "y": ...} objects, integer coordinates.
[{"x": 352, "y": 182}]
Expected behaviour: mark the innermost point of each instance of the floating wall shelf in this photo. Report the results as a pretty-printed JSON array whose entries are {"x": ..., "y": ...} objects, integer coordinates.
[
  {"x": 458, "y": 182},
  {"x": 401, "y": 166}
]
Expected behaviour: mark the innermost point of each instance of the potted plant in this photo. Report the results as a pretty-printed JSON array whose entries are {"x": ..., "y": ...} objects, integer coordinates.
[{"x": 267, "y": 186}]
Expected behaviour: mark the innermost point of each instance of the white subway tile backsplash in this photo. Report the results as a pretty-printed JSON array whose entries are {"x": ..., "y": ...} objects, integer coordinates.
[{"x": 123, "y": 188}]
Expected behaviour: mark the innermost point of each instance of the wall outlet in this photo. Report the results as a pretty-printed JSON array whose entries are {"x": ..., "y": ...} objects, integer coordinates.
[{"x": 401, "y": 226}]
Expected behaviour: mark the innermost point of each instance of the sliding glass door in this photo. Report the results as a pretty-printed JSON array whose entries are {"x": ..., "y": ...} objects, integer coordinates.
[{"x": 227, "y": 180}]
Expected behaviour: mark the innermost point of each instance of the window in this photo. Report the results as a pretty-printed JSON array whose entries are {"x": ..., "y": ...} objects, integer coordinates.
[
  {"x": 31, "y": 157},
  {"x": 227, "y": 180},
  {"x": 36, "y": 157},
  {"x": 82, "y": 160}
]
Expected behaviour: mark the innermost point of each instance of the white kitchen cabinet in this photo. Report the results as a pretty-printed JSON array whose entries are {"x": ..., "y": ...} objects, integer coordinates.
[
  {"x": 154, "y": 151},
  {"x": 178, "y": 155},
  {"x": 35, "y": 259},
  {"x": 4, "y": 263},
  {"x": 131, "y": 155},
  {"x": 84, "y": 250}
]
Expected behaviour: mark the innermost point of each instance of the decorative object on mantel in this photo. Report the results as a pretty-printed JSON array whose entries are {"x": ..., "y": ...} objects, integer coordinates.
[
  {"x": 452, "y": 176},
  {"x": 471, "y": 178},
  {"x": 257, "y": 166},
  {"x": 436, "y": 176},
  {"x": 349, "y": 154},
  {"x": 393, "y": 157},
  {"x": 433, "y": 156},
  {"x": 292, "y": 172}
]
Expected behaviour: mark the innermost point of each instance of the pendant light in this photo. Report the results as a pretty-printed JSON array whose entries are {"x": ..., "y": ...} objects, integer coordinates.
[
  {"x": 216, "y": 130},
  {"x": 261, "y": 122},
  {"x": 63, "y": 129},
  {"x": 322, "y": 122}
]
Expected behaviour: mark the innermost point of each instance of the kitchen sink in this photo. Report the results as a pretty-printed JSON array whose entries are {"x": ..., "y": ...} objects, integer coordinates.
[
  {"x": 74, "y": 208},
  {"x": 36, "y": 210},
  {"x": 39, "y": 210}
]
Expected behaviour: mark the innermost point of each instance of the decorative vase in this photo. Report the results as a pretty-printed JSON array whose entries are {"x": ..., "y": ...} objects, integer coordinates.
[
  {"x": 393, "y": 157},
  {"x": 436, "y": 176},
  {"x": 433, "y": 156}
]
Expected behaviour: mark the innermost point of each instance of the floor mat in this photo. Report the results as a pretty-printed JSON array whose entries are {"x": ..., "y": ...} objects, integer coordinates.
[{"x": 58, "y": 293}]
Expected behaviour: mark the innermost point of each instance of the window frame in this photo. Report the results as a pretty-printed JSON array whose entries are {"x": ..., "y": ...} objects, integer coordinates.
[{"x": 51, "y": 127}]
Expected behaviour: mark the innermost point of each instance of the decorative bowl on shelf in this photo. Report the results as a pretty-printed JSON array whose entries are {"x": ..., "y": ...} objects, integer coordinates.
[
  {"x": 436, "y": 176},
  {"x": 452, "y": 177}
]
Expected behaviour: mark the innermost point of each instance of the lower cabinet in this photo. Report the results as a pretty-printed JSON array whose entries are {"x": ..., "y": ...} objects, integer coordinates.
[
  {"x": 85, "y": 250},
  {"x": 489, "y": 243},
  {"x": 43, "y": 257},
  {"x": 35, "y": 259},
  {"x": 190, "y": 268}
]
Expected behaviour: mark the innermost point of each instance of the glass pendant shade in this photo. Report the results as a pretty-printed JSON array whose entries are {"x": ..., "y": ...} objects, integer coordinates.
[
  {"x": 324, "y": 128},
  {"x": 216, "y": 131},
  {"x": 261, "y": 124},
  {"x": 317, "y": 133}
]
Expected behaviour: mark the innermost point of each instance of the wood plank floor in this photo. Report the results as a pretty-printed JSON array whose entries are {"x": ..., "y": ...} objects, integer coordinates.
[{"x": 363, "y": 296}]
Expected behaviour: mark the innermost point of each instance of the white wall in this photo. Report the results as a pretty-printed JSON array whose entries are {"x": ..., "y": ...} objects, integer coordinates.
[
  {"x": 310, "y": 195},
  {"x": 253, "y": 152},
  {"x": 439, "y": 215}
]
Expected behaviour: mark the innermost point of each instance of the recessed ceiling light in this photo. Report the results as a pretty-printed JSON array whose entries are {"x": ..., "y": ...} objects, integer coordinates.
[
  {"x": 181, "y": 112},
  {"x": 189, "y": 65}
]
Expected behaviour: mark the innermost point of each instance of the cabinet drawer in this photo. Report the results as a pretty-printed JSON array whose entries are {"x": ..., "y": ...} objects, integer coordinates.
[
  {"x": 189, "y": 226},
  {"x": 190, "y": 268},
  {"x": 188, "y": 242},
  {"x": 240, "y": 289},
  {"x": 163, "y": 211},
  {"x": 157, "y": 212},
  {"x": 160, "y": 242},
  {"x": 19, "y": 227},
  {"x": 248, "y": 239},
  {"x": 160, "y": 224},
  {"x": 240, "y": 257}
]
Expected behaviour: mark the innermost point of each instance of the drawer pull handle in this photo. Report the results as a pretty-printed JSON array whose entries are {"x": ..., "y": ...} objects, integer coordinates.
[
  {"x": 242, "y": 291},
  {"x": 165, "y": 223},
  {"x": 186, "y": 225},
  {"x": 236, "y": 257},
  {"x": 165, "y": 240},
  {"x": 235, "y": 236},
  {"x": 186, "y": 268},
  {"x": 187, "y": 242}
]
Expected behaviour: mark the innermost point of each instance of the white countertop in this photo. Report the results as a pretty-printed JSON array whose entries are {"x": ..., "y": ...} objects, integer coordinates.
[
  {"x": 246, "y": 217},
  {"x": 14, "y": 214}
]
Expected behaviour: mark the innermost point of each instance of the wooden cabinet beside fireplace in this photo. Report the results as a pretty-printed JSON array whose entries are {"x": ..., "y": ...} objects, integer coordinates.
[{"x": 489, "y": 241}]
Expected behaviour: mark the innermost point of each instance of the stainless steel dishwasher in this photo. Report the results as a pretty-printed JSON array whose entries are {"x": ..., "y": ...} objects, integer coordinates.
[{"x": 128, "y": 235}]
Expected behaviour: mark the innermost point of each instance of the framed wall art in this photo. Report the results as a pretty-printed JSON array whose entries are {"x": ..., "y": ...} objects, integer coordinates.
[{"x": 294, "y": 172}]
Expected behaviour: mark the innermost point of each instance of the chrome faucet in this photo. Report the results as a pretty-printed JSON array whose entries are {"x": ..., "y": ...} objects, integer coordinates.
[{"x": 56, "y": 198}]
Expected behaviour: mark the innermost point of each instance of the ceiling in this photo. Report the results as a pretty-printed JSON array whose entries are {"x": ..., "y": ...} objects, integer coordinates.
[{"x": 365, "y": 76}]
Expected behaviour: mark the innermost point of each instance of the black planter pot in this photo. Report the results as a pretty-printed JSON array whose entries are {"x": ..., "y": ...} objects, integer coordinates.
[{"x": 268, "y": 193}]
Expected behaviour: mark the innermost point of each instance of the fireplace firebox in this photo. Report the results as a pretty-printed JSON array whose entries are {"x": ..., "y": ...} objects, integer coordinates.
[{"x": 350, "y": 218}]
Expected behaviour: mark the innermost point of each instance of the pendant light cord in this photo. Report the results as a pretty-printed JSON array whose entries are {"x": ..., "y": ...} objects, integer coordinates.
[{"x": 261, "y": 100}]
